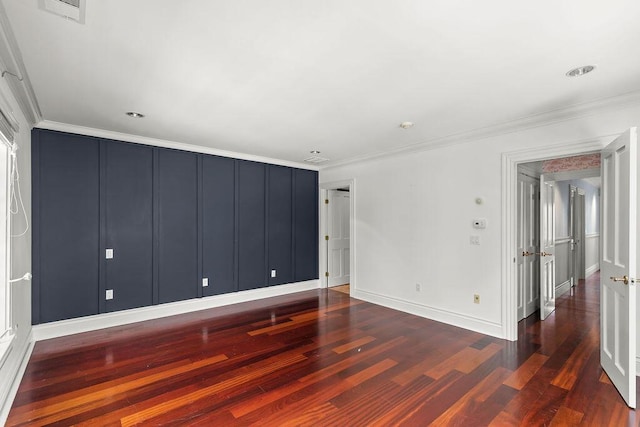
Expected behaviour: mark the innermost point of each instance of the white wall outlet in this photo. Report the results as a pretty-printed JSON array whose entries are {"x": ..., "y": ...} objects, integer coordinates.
[
  {"x": 108, "y": 254},
  {"x": 109, "y": 294},
  {"x": 418, "y": 287},
  {"x": 474, "y": 240},
  {"x": 476, "y": 299},
  {"x": 205, "y": 282},
  {"x": 273, "y": 273}
]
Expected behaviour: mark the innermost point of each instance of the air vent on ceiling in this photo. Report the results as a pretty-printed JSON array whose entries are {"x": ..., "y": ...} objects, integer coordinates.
[
  {"x": 316, "y": 159},
  {"x": 70, "y": 9}
]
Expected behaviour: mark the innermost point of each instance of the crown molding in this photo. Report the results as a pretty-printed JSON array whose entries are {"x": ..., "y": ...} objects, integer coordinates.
[
  {"x": 11, "y": 61},
  {"x": 536, "y": 120},
  {"x": 125, "y": 137}
]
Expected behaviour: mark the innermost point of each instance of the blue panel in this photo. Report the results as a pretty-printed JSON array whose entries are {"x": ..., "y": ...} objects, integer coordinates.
[
  {"x": 177, "y": 225},
  {"x": 252, "y": 272},
  {"x": 128, "y": 221},
  {"x": 218, "y": 224},
  {"x": 305, "y": 224},
  {"x": 279, "y": 224},
  {"x": 66, "y": 244}
]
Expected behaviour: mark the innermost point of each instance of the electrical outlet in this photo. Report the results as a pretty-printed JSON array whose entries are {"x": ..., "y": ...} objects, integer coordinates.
[
  {"x": 418, "y": 287},
  {"x": 273, "y": 273},
  {"x": 109, "y": 294},
  {"x": 476, "y": 299},
  {"x": 205, "y": 282}
]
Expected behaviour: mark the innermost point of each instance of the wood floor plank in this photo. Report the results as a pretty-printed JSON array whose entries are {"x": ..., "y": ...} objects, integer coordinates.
[{"x": 322, "y": 358}]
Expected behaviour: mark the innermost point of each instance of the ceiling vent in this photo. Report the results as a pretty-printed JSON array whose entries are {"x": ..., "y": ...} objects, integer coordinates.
[
  {"x": 316, "y": 159},
  {"x": 70, "y": 9}
]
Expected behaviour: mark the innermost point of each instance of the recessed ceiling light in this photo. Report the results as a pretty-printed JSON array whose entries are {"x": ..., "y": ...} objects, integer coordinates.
[
  {"x": 406, "y": 125},
  {"x": 314, "y": 152},
  {"x": 580, "y": 71},
  {"x": 135, "y": 115}
]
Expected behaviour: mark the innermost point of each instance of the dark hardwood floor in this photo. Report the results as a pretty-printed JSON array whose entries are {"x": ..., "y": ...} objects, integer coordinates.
[{"x": 322, "y": 358}]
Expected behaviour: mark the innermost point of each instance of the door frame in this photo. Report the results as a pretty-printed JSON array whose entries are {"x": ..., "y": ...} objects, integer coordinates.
[
  {"x": 323, "y": 245},
  {"x": 509, "y": 199}
]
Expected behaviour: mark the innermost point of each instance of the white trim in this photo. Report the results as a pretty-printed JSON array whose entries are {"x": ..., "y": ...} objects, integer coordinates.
[
  {"x": 563, "y": 288},
  {"x": 637, "y": 366},
  {"x": 124, "y": 317},
  {"x": 590, "y": 270},
  {"x": 452, "y": 318},
  {"x": 9, "y": 386},
  {"x": 533, "y": 121},
  {"x": 592, "y": 235},
  {"x": 510, "y": 161},
  {"x": 322, "y": 263},
  {"x": 562, "y": 240},
  {"x": 119, "y": 136}
]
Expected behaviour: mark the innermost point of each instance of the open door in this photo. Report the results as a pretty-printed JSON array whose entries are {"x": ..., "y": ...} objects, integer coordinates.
[
  {"x": 338, "y": 233},
  {"x": 547, "y": 248},
  {"x": 618, "y": 263}
]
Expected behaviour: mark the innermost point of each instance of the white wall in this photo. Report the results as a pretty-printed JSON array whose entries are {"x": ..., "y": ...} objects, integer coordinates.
[
  {"x": 414, "y": 213},
  {"x": 21, "y": 264}
]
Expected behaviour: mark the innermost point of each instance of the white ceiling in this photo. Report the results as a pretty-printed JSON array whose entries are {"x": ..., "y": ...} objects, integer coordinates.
[{"x": 280, "y": 78}]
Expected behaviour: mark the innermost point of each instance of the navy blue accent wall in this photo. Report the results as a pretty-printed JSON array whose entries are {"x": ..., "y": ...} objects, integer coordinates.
[
  {"x": 66, "y": 245},
  {"x": 127, "y": 216},
  {"x": 177, "y": 193},
  {"x": 172, "y": 217},
  {"x": 252, "y": 272},
  {"x": 218, "y": 224},
  {"x": 305, "y": 224},
  {"x": 279, "y": 220}
]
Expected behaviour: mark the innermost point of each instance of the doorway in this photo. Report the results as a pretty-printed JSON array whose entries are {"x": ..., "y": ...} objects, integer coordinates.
[
  {"x": 337, "y": 229},
  {"x": 565, "y": 225}
]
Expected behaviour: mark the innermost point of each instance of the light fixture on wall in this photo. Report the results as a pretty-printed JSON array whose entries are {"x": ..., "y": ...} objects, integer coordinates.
[
  {"x": 580, "y": 71},
  {"x": 134, "y": 114}
]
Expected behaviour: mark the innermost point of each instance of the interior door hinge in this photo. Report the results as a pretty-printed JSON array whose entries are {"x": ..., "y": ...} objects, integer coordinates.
[
  {"x": 326, "y": 201},
  {"x": 326, "y": 237},
  {"x": 326, "y": 274}
]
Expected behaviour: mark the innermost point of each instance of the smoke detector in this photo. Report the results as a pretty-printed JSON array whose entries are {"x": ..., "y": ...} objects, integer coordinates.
[
  {"x": 69, "y": 9},
  {"x": 316, "y": 159}
]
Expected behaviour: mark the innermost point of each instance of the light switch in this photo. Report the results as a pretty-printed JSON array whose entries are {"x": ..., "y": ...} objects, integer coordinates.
[
  {"x": 109, "y": 254},
  {"x": 273, "y": 273},
  {"x": 109, "y": 294},
  {"x": 479, "y": 223},
  {"x": 205, "y": 282}
]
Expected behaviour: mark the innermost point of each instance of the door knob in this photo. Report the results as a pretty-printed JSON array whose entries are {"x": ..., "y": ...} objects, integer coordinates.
[
  {"x": 623, "y": 279},
  {"x": 527, "y": 253},
  {"x": 544, "y": 254}
]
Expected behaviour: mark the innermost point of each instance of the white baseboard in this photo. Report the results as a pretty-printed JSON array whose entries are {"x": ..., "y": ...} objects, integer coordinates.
[
  {"x": 589, "y": 271},
  {"x": 118, "y": 318},
  {"x": 637, "y": 366},
  {"x": 9, "y": 386},
  {"x": 456, "y": 319},
  {"x": 563, "y": 288}
]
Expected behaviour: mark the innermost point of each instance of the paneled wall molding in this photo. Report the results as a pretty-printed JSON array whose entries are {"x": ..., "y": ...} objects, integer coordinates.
[
  {"x": 121, "y": 226},
  {"x": 118, "y": 318},
  {"x": 562, "y": 240},
  {"x": 156, "y": 142},
  {"x": 592, "y": 235}
]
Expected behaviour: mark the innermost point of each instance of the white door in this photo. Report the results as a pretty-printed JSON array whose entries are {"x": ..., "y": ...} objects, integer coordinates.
[
  {"x": 547, "y": 248},
  {"x": 618, "y": 264},
  {"x": 338, "y": 232},
  {"x": 527, "y": 239}
]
